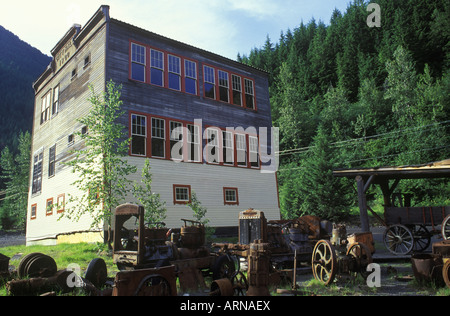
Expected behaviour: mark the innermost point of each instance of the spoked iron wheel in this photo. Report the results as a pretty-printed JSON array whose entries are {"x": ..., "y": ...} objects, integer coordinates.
[
  {"x": 422, "y": 238},
  {"x": 446, "y": 273},
  {"x": 324, "y": 264},
  {"x": 240, "y": 284},
  {"x": 446, "y": 228},
  {"x": 398, "y": 239},
  {"x": 362, "y": 257}
]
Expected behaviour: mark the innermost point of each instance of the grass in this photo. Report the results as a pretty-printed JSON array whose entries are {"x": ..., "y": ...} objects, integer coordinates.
[{"x": 64, "y": 255}]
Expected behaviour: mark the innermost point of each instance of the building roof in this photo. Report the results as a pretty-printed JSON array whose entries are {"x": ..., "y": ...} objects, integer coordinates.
[{"x": 439, "y": 169}]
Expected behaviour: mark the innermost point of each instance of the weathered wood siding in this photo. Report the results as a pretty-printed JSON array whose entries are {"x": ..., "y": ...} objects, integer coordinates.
[{"x": 73, "y": 104}]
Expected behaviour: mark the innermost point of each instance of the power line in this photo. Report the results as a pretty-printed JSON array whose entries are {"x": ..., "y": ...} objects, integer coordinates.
[{"x": 408, "y": 130}]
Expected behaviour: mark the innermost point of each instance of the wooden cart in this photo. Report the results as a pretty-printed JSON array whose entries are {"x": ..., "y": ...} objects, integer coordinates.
[{"x": 408, "y": 229}]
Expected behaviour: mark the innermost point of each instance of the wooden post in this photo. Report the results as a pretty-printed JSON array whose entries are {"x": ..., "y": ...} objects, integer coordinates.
[{"x": 362, "y": 205}]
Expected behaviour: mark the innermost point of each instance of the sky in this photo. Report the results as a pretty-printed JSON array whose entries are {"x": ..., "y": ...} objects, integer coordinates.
[{"x": 225, "y": 27}]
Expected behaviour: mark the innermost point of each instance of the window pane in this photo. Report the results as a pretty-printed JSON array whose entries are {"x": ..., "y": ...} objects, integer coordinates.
[
  {"x": 209, "y": 91},
  {"x": 174, "y": 81},
  {"x": 156, "y": 77},
  {"x": 223, "y": 86},
  {"x": 138, "y": 72},
  {"x": 190, "y": 85},
  {"x": 138, "y": 145}
]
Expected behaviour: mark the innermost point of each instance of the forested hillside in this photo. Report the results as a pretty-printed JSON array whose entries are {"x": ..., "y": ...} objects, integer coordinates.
[
  {"x": 348, "y": 95},
  {"x": 20, "y": 66}
]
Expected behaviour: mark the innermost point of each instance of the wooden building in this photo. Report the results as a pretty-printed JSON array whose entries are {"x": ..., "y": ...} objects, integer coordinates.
[{"x": 223, "y": 105}]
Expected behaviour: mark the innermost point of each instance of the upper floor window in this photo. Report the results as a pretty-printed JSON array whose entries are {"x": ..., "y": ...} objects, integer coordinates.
[
  {"x": 37, "y": 173},
  {"x": 223, "y": 86},
  {"x": 190, "y": 80},
  {"x": 137, "y": 62},
  {"x": 45, "y": 107},
  {"x": 157, "y": 67},
  {"x": 237, "y": 90},
  {"x": 51, "y": 161},
  {"x": 249, "y": 94},
  {"x": 158, "y": 138},
  {"x": 138, "y": 135},
  {"x": 174, "y": 72},
  {"x": 55, "y": 104},
  {"x": 210, "y": 82}
]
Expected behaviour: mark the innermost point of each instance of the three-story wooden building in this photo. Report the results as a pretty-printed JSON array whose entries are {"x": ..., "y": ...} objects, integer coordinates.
[{"x": 198, "y": 116}]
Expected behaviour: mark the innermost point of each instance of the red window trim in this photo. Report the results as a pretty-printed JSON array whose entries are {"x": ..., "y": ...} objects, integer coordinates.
[
  {"x": 230, "y": 87},
  {"x": 175, "y": 201},
  {"x": 60, "y": 208},
  {"x": 225, "y": 202},
  {"x": 202, "y": 142},
  {"x": 47, "y": 211},
  {"x": 166, "y": 68},
  {"x": 31, "y": 211}
]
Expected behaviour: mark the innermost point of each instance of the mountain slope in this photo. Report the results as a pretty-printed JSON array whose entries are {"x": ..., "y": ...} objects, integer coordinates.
[{"x": 20, "y": 65}]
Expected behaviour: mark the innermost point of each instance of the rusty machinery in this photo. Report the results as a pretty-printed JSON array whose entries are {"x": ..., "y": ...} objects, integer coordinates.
[
  {"x": 137, "y": 247},
  {"x": 342, "y": 255}
]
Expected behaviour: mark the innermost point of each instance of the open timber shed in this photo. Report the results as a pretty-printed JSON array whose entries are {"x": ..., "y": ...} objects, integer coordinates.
[{"x": 388, "y": 179}]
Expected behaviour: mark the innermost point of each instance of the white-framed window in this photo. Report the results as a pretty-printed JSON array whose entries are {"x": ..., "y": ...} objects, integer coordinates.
[
  {"x": 181, "y": 194},
  {"x": 249, "y": 94},
  {"x": 253, "y": 146},
  {"x": 212, "y": 145},
  {"x": 158, "y": 138},
  {"x": 55, "y": 104},
  {"x": 228, "y": 148},
  {"x": 37, "y": 172},
  {"x": 230, "y": 196},
  {"x": 193, "y": 142},
  {"x": 241, "y": 150},
  {"x": 138, "y": 135},
  {"x": 138, "y": 61},
  {"x": 174, "y": 72},
  {"x": 190, "y": 80},
  {"x": 45, "y": 107},
  {"x": 223, "y": 86},
  {"x": 156, "y": 67},
  {"x": 237, "y": 90},
  {"x": 210, "y": 82},
  {"x": 176, "y": 139},
  {"x": 51, "y": 161}
]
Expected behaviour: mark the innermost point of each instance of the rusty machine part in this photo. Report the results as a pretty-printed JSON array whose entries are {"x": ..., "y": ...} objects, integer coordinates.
[
  {"x": 445, "y": 230},
  {"x": 236, "y": 286},
  {"x": 446, "y": 272},
  {"x": 146, "y": 282},
  {"x": 441, "y": 249},
  {"x": 37, "y": 264},
  {"x": 4, "y": 268},
  {"x": 338, "y": 257},
  {"x": 258, "y": 269}
]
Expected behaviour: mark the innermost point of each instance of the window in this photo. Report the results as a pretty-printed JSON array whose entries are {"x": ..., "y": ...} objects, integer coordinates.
[
  {"x": 174, "y": 73},
  {"x": 181, "y": 194},
  {"x": 137, "y": 62},
  {"x": 51, "y": 161},
  {"x": 212, "y": 145},
  {"x": 49, "y": 207},
  {"x": 158, "y": 137},
  {"x": 37, "y": 173},
  {"x": 157, "y": 67},
  {"x": 45, "y": 107},
  {"x": 228, "y": 150},
  {"x": 176, "y": 140},
  {"x": 241, "y": 150},
  {"x": 84, "y": 130},
  {"x": 70, "y": 140},
  {"x": 253, "y": 147},
  {"x": 230, "y": 196},
  {"x": 87, "y": 61},
  {"x": 60, "y": 203},
  {"x": 223, "y": 86},
  {"x": 138, "y": 135},
  {"x": 74, "y": 73},
  {"x": 237, "y": 90},
  {"x": 193, "y": 141},
  {"x": 33, "y": 211},
  {"x": 249, "y": 94},
  {"x": 190, "y": 80},
  {"x": 209, "y": 82},
  {"x": 55, "y": 104}
]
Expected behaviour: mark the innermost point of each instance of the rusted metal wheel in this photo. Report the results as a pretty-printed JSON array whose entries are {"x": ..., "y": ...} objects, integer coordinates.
[
  {"x": 362, "y": 257},
  {"x": 398, "y": 239},
  {"x": 324, "y": 263},
  {"x": 97, "y": 272},
  {"x": 446, "y": 273},
  {"x": 37, "y": 265},
  {"x": 221, "y": 287},
  {"x": 446, "y": 228},
  {"x": 153, "y": 285},
  {"x": 422, "y": 238},
  {"x": 240, "y": 284},
  {"x": 223, "y": 267},
  {"x": 24, "y": 261}
]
